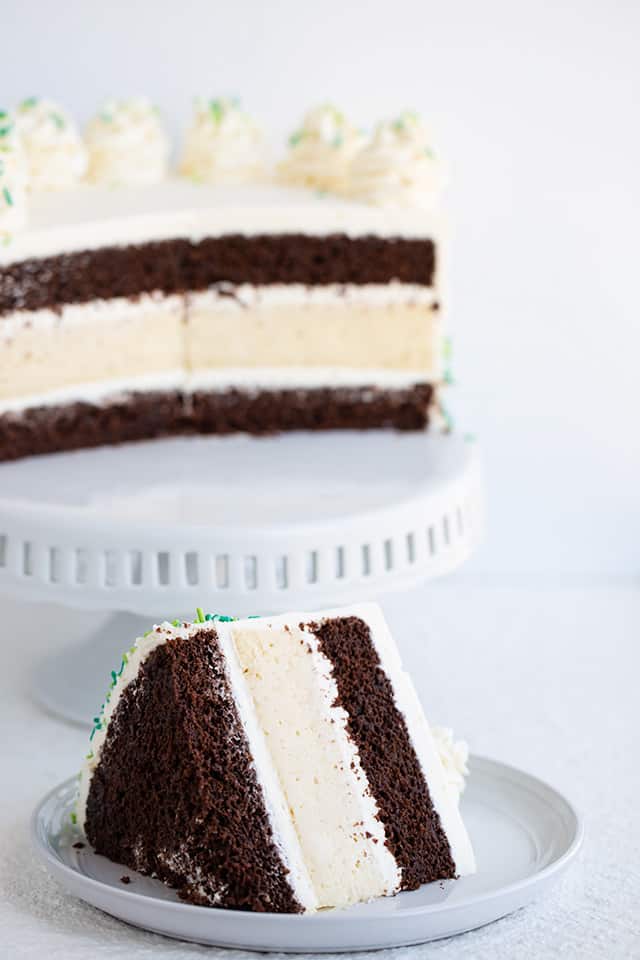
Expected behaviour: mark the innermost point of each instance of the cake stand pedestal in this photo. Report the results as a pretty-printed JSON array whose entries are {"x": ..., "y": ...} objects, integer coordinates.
[{"x": 235, "y": 524}]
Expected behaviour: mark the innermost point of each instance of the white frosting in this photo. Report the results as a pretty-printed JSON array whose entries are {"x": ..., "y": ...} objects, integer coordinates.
[
  {"x": 245, "y": 378},
  {"x": 321, "y": 151},
  {"x": 56, "y": 156},
  {"x": 88, "y": 217},
  {"x": 454, "y": 755},
  {"x": 223, "y": 145},
  {"x": 127, "y": 144},
  {"x": 398, "y": 167},
  {"x": 13, "y": 178},
  {"x": 247, "y": 295}
]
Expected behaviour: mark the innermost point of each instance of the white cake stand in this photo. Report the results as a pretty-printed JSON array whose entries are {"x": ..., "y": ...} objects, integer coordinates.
[{"x": 237, "y": 525}]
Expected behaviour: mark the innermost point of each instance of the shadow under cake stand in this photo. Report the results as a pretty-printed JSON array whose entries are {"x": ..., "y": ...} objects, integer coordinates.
[{"x": 242, "y": 525}]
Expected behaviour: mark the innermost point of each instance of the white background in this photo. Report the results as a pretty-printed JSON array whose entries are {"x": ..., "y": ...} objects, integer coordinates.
[{"x": 535, "y": 105}]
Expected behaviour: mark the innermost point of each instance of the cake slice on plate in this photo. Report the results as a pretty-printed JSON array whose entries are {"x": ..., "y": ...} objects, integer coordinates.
[{"x": 279, "y": 764}]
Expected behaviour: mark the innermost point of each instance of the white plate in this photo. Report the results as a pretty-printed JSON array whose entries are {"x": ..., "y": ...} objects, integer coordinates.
[{"x": 524, "y": 834}]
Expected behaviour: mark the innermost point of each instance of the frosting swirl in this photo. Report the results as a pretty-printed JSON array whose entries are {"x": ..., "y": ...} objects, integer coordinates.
[
  {"x": 321, "y": 151},
  {"x": 127, "y": 143},
  {"x": 454, "y": 755},
  {"x": 56, "y": 156},
  {"x": 223, "y": 145},
  {"x": 13, "y": 178},
  {"x": 397, "y": 167}
]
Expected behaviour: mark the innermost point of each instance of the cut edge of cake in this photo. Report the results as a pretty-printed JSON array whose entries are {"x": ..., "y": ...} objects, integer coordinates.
[{"x": 310, "y": 696}]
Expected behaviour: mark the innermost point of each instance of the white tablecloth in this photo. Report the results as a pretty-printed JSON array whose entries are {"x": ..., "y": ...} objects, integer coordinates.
[{"x": 546, "y": 677}]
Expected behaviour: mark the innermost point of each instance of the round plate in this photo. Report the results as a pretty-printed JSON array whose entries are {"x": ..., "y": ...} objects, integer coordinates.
[
  {"x": 524, "y": 834},
  {"x": 254, "y": 525}
]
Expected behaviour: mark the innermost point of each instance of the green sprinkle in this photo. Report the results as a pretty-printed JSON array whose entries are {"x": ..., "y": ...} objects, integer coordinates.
[
  {"x": 28, "y": 103},
  {"x": 254, "y": 616},
  {"x": 176, "y": 623},
  {"x": 145, "y": 634},
  {"x": 200, "y": 614},
  {"x": 73, "y": 817},
  {"x": 296, "y": 137},
  {"x": 208, "y": 616},
  {"x": 58, "y": 120},
  {"x": 89, "y": 756},
  {"x": 106, "y": 117},
  {"x": 447, "y": 348},
  {"x": 448, "y": 377},
  {"x": 4, "y": 114},
  {"x": 216, "y": 110},
  {"x": 6, "y": 130}
]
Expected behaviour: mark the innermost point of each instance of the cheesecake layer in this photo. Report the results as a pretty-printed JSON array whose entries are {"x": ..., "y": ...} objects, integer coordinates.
[
  {"x": 243, "y": 337},
  {"x": 105, "y": 341},
  {"x": 284, "y": 327},
  {"x": 334, "y": 812}
]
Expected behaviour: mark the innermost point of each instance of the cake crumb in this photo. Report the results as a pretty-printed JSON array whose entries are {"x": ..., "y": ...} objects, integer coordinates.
[
  {"x": 125, "y": 879},
  {"x": 79, "y": 845}
]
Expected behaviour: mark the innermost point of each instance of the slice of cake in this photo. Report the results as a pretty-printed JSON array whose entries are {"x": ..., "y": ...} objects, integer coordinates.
[
  {"x": 277, "y": 764},
  {"x": 133, "y": 309}
]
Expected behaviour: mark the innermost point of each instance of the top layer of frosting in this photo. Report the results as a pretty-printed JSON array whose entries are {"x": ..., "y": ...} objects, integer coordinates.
[{"x": 88, "y": 217}]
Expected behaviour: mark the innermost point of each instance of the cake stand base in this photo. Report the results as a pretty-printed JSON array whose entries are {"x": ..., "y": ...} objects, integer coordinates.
[{"x": 71, "y": 683}]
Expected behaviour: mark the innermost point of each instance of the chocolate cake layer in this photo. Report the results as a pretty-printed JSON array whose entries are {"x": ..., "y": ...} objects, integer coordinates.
[
  {"x": 175, "y": 790},
  {"x": 378, "y": 729},
  {"x": 142, "y": 416},
  {"x": 178, "y": 266}
]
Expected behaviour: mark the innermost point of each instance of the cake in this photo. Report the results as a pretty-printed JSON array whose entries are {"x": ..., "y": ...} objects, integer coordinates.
[
  {"x": 278, "y": 764},
  {"x": 138, "y": 303}
]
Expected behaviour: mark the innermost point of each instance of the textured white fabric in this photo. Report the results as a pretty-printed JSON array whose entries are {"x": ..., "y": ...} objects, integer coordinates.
[{"x": 545, "y": 677}]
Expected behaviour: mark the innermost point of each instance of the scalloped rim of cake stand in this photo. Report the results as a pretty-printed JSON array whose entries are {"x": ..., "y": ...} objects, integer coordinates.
[{"x": 240, "y": 524}]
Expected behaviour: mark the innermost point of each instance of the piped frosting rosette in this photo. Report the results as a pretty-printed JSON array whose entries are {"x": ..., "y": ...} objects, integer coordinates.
[
  {"x": 13, "y": 178},
  {"x": 55, "y": 154},
  {"x": 127, "y": 144},
  {"x": 223, "y": 145},
  {"x": 398, "y": 166},
  {"x": 321, "y": 151}
]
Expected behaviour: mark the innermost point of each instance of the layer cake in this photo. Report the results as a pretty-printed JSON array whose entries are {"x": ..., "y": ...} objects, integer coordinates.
[{"x": 143, "y": 309}]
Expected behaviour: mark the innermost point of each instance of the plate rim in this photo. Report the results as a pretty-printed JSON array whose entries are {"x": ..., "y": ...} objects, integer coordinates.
[{"x": 340, "y": 916}]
